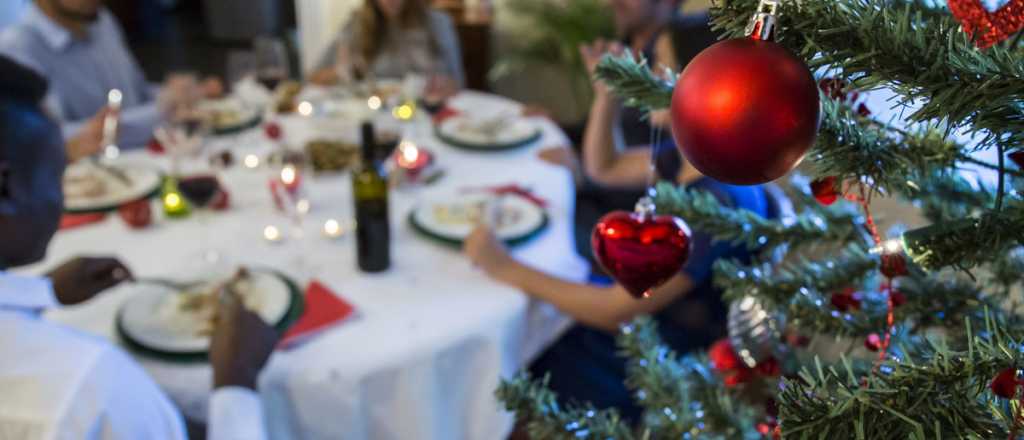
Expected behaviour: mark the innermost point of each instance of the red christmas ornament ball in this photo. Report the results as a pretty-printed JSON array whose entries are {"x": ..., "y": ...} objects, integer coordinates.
[
  {"x": 745, "y": 111},
  {"x": 873, "y": 342},
  {"x": 641, "y": 251},
  {"x": 824, "y": 190},
  {"x": 897, "y": 297},
  {"x": 137, "y": 214},
  {"x": 893, "y": 265},
  {"x": 1005, "y": 383},
  {"x": 272, "y": 130},
  {"x": 723, "y": 358},
  {"x": 846, "y": 300}
]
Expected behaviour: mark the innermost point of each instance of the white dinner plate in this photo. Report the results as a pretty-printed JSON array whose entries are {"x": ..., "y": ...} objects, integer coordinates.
[
  {"x": 114, "y": 191},
  {"x": 452, "y": 220},
  {"x": 466, "y": 132},
  {"x": 234, "y": 114},
  {"x": 152, "y": 316}
]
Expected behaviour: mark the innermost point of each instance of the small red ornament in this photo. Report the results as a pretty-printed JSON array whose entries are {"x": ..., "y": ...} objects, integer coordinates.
[
  {"x": 272, "y": 130},
  {"x": 768, "y": 367},
  {"x": 897, "y": 297},
  {"x": 1018, "y": 158},
  {"x": 745, "y": 111},
  {"x": 641, "y": 251},
  {"x": 824, "y": 190},
  {"x": 893, "y": 265},
  {"x": 764, "y": 428},
  {"x": 723, "y": 357},
  {"x": 988, "y": 27},
  {"x": 154, "y": 146},
  {"x": 221, "y": 201},
  {"x": 873, "y": 342},
  {"x": 1006, "y": 383},
  {"x": 137, "y": 214},
  {"x": 846, "y": 300}
]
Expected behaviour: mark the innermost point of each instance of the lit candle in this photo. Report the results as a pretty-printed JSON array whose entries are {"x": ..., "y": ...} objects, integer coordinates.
[
  {"x": 252, "y": 161},
  {"x": 272, "y": 234},
  {"x": 302, "y": 206},
  {"x": 404, "y": 112},
  {"x": 290, "y": 178},
  {"x": 374, "y": 102},
  {"x": 332, "y": 229},
  {"x": 411, "y": 158},
  {"x": 305, "y": 108},
  {"x": 175, "y": 206}
]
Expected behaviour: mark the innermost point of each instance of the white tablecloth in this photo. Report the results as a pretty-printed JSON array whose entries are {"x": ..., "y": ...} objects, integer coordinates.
[{"x": 433, "y": 335}]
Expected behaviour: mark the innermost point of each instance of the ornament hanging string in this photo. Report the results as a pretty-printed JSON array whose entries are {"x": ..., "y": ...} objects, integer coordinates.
[
  {"x": 864, "y": 200},
  {"x": 655, "y": 137}
]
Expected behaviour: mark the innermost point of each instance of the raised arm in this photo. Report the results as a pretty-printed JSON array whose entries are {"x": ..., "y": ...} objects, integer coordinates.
[
  {"x": 599, "y": 307},
  {"x": 605, "y": 159}
]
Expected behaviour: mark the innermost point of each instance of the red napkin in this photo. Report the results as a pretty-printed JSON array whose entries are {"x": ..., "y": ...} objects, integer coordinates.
[
  {"x": 444, "y": 113},
  {"x": 155, "y": 146},
  {"x": 323, "y": 309},
  {"x": 68, "y": 221}
]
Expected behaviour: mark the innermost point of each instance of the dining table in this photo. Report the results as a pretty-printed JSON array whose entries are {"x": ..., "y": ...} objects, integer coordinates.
[{"x": 431, "y": 337}]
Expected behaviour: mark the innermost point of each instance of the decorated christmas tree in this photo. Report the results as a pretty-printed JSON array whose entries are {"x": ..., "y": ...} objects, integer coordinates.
[{"x": 935, "y": 308}]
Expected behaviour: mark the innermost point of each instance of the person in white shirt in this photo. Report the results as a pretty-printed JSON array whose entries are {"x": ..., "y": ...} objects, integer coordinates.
[
  {"x": 56, "y": 383},
  {"x": 79, "y": 47}
]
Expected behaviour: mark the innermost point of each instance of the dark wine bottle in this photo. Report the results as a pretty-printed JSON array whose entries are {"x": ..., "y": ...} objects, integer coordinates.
[{"x": 370, "y": 192}]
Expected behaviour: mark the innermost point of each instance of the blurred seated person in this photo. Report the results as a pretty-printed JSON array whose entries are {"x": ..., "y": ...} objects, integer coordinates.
[
  {"x": 78, "y": 46},
  {"x": 391, "y": 38},
  {"x": 667, "y": 39},
  {"x": 583, "y": 363},
  {"x": 57, "y": 382}
]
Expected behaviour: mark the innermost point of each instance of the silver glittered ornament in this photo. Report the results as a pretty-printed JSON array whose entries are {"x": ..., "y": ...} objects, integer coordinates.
[{"x": 755, "y": 333}]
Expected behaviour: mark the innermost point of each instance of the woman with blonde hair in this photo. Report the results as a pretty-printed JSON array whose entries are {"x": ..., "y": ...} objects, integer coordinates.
[{"x": 392, "y": 38}]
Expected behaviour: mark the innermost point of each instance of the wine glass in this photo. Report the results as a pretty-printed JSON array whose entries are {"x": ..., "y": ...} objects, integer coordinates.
[{"x": 271, "y": 62}]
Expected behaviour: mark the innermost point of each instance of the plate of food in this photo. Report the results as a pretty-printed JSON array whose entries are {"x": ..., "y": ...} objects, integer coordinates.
[
  {"x": 91, "y": 186},
  {"x": 493, "y": 133},
  {"x": 229, "y": 115},
  {"x": 176, "y": 319},
  {"x": 515, "y": 218}
]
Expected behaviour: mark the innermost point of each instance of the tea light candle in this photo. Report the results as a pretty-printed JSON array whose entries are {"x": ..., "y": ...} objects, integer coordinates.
[
  {"x": 175, "y": 205},
  {"x": 290, "y": 178},
  {"x": 374, "y": 102},
  {"x": 272, "y": 234},
  {"x": 251, "y": 161},
  {"x": 305, "y": 108},
  {"x": 332, "y": 229},
  {"x": 411, "y": 158},
  {"x": 302, "y": 206},
  {"x": 403, "y": 112}
]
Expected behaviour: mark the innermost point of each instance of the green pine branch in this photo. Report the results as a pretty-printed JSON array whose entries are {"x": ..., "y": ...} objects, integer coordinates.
[
  {"x": 940, "y": 393},
  {"x": 631, "y": 78},
  {"x": 537, "y": 407},
  {"x": 970, "y": 241},
  {"x": 681, "y": 395},
  {"x": 702, "y": 211}
]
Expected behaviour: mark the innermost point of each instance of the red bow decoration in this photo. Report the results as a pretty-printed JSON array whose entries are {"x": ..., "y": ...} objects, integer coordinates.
[{"x": 988, "y": 27}]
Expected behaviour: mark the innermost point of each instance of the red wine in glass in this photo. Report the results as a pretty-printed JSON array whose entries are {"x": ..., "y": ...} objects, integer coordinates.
[
  {"x": 270, "y": 78},
  {"x": 200, "y": 189}
]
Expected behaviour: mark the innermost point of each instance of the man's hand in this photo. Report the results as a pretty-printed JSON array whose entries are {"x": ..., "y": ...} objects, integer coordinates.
[
  {"x": 89, "y": 139},
  {"x": 212, "y": 87},
  {"x": 82, "y": 278},
  {"x": 327, "y": 76},
  {"x": 241, "y": 344},
  {"x": 486, "y": 251}
]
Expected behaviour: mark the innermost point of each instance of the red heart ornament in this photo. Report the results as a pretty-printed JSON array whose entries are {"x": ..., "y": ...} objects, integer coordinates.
[
  {"x": 641, "y": 251},
  {"x": 985, "y": 27}
]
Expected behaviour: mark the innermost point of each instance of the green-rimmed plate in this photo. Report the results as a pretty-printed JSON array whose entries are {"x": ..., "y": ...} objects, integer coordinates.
[
  {"x": 151, "y": 323},
  {"x": 451, "y": 221},
  {"x": 230, "y": 115},
  {"x": 463, "y": 132},
  {"x": 90, "y": 189}
]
